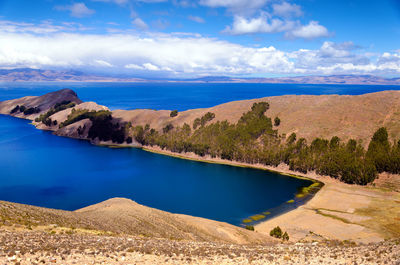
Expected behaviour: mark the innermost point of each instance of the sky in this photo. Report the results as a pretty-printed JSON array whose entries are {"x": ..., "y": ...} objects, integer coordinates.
[{"x": 194, "y": 38}]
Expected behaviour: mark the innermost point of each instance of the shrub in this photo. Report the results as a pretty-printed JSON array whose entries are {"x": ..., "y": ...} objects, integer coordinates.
[
  {"x": 277, "y": 121},
  {"x": 204, "y": 119},
  {"x": 168, "y": 128},
  {"x": 249, "y": 227},
  {"x": 173, "y": 113},
  {"x": 15, "y": 109},
  {"x": 276, "y": 232},
  {"x": 285, "y": 237},
  {"x": 57, "y": 107},
  {"x": 31, "y": 110}
]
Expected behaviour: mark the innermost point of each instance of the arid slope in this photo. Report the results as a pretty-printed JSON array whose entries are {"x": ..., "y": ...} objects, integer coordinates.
[
  {"x": 324, "y": 116},
  {"x": 123, "y": 216}
]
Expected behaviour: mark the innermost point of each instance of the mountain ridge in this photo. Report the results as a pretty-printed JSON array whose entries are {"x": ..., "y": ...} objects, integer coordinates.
[{"x": 42, "y": 75}]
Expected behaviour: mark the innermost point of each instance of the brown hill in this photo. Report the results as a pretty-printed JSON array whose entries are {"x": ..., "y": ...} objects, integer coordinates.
[
  {"x": 123, "y": 216},
  {"x": 44, "y": 103},
  {"x": 324, "y": 116},
  {"x": 308, "y": 116}
]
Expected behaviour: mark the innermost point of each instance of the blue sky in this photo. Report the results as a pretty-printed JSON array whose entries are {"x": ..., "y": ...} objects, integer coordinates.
[{"x": 183, "y": 38}]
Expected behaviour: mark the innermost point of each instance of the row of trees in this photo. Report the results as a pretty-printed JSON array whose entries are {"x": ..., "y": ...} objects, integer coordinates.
[
  {"x": 25, "y": 110},
  {"x": 253, "y": 140}
]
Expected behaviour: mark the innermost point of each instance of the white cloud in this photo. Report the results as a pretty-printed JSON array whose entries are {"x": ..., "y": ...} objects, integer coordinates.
[
  {"x": 236, "y": 6},
  {"x": 151, "y": 67},
  {"x": 182, "y": 56},
  {"x": 44, "y": 27},
  {"x": 77, "y": 10},
  {"x": 134, "y": 66},
  {"x": 102, "y": 63},
  {"x": 196, "y": 19},
  {"x": 285, "y": 9},
  {"x": 139, "y": 23},
  {"x": 241, "y": 25},
  {"x": 310, "y": 31}
]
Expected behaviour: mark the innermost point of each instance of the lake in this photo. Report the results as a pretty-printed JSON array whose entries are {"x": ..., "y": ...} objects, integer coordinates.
[{"x": 41, "y": 169}]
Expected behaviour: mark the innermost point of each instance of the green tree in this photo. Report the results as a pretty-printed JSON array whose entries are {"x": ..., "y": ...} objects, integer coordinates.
[
  {"x": 379, "y": 150},
  {"x": 277, "y": 121}
]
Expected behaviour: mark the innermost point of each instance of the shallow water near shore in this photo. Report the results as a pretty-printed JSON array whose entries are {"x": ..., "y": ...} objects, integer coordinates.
[{"x": 41, "y": 169}]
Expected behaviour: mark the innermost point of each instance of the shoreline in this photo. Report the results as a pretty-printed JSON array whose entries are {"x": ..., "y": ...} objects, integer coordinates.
[
  {"x": 338, "y": 211},
  {"x": 281, "y": 170}
]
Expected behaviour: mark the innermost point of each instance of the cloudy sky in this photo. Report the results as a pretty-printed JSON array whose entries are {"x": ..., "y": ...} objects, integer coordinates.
[{"x": 190, "y": 38}]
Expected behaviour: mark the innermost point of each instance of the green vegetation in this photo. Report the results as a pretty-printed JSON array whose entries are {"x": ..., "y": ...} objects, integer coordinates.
[
  {"x": 277, "y": 121},
  {"x": 102, "y": 127},
  {"x": 45, "y": 117},
  {"x": 253, "y": 140},
  {"x": 31, "y": 110},
  {"x": 15, "y": 109},
  {"x": 290, "y": 201},
  {"x": 249, "y": 227},
  {"x": 173, "y": 113},
  {"x": 201, "y": 122},
  {"x": 285, "y": 236},
  {"x": 257, "y": 217},
  {"x": 276, "y": 232},
  {"x": 26, "y": 111},
  {"x": 307, "y": 190}
]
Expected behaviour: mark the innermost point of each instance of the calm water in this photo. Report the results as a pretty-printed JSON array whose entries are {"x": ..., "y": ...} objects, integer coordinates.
[
  {"x": 39, "y": 168},
  {"x": 180, "y": 96}
]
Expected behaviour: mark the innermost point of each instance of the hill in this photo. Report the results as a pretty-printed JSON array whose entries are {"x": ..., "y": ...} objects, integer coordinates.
[
  {"x": 120, "y": 216},
  {"x": 323, "y": 116}
]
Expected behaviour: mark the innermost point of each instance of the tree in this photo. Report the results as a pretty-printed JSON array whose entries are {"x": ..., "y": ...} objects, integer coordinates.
[
  {"x": 379, "y": 150},
  {"x": 277, "y": 121},
  {"x": 168, "y": 128},
  {"x": 276, "y": 232},
  {"x": 173, "y": 113},
  {"x": 291, "y": 139},
  {"x": 285, "y": 237},
  {"x": 15, "y": 109}
]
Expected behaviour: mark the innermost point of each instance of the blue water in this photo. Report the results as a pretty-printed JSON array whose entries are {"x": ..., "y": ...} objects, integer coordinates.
[
  {"x": 180, "y": 96},
  {"x": 39, "y": 168}
]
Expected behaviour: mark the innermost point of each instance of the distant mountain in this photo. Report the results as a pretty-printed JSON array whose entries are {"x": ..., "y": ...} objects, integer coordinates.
[
  {"x": 331, "y": 79},
  {"x": 37, "y": 75}
]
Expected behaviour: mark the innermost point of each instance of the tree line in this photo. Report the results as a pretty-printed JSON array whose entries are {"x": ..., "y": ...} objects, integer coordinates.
[{"x": 253, "y": 139}]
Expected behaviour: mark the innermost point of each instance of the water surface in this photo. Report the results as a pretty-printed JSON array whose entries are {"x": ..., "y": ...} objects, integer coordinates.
[{"x": 42, "y": 169}]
